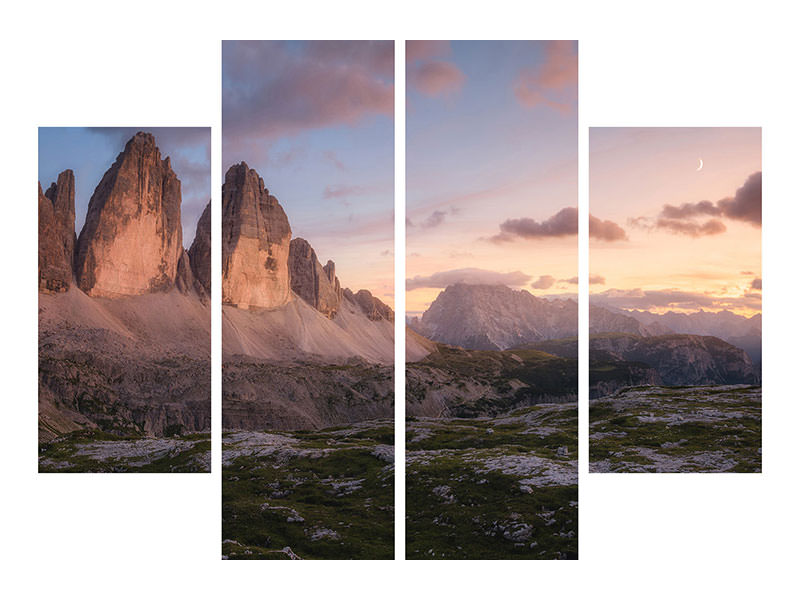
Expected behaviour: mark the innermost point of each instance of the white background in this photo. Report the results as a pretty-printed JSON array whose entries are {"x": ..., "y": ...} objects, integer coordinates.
[{"x": 158, "y": 63}]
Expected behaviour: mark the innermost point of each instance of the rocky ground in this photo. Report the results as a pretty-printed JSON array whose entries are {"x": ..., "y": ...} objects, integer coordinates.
[
  {"x": 98, "y": 452},
  {"x": 325, "y": 494},
  {"x": 677, "y": 430},
  {"x": 493, "y": 487}
]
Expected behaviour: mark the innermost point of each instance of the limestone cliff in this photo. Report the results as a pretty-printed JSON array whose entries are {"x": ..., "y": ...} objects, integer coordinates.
[
  {"x": 255, "y": 242},
  {"x": 132, "y": 239},
  {"x": 200, "y": 251},
  {"x": 57, "y": 234},
  {"x": 314, "y": 283}
]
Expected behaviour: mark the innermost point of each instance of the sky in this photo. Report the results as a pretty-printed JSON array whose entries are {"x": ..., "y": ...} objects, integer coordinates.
[
  {"x": 90, "y": 152},
  {"x": 491, "y": 167},
  {"x": 688, "y": 238},
  {"x": 316, "y": 121}
]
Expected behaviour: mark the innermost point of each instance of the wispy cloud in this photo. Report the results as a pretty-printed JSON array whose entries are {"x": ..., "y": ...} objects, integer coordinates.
[{"x": 552, "y": 83}]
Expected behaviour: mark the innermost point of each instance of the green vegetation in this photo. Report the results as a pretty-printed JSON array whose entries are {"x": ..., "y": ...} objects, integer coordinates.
[
  {"x": 496, "y": 488},
  {"x": 323, "y": 494},
  {"x": 95, "y": 451},
  {"x": 677, "y": 429}
]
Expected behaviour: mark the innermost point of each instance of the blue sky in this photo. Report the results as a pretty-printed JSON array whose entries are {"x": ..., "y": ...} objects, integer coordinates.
[
  {"x": 491, "y": 138},
  {"x": 316, "y": 120},
  {"x": 90, "y": 151}
]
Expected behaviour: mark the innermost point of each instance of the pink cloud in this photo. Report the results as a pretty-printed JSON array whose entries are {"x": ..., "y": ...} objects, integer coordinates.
[
  {"x": 270, "y": 91},
  {"x": 425, "y": 49},
  {"x": 437, "y": 78},
  {"x": 554, "y": 82}
]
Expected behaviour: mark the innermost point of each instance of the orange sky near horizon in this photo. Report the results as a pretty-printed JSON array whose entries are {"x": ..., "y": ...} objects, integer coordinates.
[{"x": 711, "y": 253}]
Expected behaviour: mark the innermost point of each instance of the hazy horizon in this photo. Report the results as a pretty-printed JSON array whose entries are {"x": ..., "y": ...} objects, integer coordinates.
[{"x": 675, "y": 234}]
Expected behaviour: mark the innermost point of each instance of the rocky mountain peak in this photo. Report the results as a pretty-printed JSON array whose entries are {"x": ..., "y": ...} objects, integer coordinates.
[
  {"x": 57, "y": 234},
  {"x": 255, "y": 242},
  {"x": 131, "y": 241},
  {"x": 314, "y": 283},
  {"x": 495, "y": 317},
  {"x": 370, "y": 305},
  {"x": 200, "y": 251}
]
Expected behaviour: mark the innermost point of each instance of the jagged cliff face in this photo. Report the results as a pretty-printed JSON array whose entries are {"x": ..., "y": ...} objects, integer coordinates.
[
  {"x": 255, "y": 243},
  {"x": 314, "y": 283},
  {"x": 57, "y": 234},
  {"x": 132, "y": 239},
  {"x": 495, "y": 317},
  {"x": 679, "y": 359},
  {"x": 200, "y": 251},
  {"x": 370, "y": 305}
]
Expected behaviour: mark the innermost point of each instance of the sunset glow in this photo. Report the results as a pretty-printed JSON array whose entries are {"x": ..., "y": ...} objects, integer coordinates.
[{"x": 692, "y": 235}]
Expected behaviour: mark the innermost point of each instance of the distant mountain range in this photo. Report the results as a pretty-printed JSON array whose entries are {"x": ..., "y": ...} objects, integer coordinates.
[{"x": 738, "y": 330}]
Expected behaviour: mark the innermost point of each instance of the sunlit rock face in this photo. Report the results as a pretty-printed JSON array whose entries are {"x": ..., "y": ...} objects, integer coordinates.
[
  {"x": 132, "y": 239},
  {"x": 57, "y": 234},
  {"x": 255, "y": 243},
  {"x": 314, "y": 283}
]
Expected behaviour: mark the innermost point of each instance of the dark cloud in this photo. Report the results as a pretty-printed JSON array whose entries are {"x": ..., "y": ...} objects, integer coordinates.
[
  {"x": 744, "y": 206},
  {"x": 746, "y": 203},
  {"x": 563, "y": 223},
  {"x": 471, "y": 276},
  {"x": 690, "y": 228},
  {"x": 572, "y": 280},
  {"x": 544, "y": 282},
  {"x": 272, "y": 89},
  {"x": 756, "y": 283},
  {"x": 607, "y": 231},
  {"x": 638, "y": 299}
]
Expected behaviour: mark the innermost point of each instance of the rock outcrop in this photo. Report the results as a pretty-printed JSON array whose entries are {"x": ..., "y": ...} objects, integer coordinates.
[
  {"x": 314, "y": 283},
  {"x": 495, "y": 317},
  {"x": 255, "y": 242},
  {"x": 200, "y": 251},
  {"x": 57, "y": 234},
  {"x": 679, "y": 359},
  {"x": 370, "y": 305},
  {"x": 132, "y": 239},
  {"x": 184, "y": 278}
]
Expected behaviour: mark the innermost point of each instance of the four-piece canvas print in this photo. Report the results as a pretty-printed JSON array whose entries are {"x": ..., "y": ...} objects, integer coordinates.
[{"x": 306, "y": 248}]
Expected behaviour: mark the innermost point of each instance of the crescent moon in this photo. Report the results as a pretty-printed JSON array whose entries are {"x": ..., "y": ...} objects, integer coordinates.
[{"x": 700, "y": 168}]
